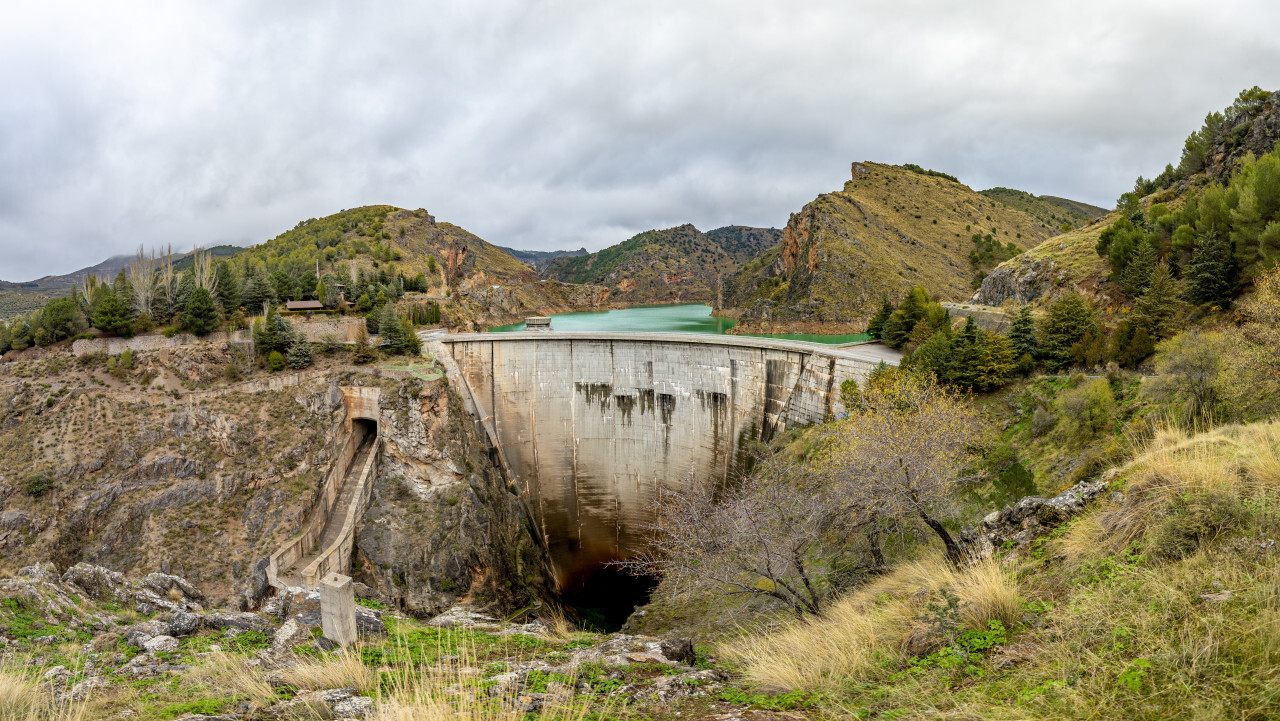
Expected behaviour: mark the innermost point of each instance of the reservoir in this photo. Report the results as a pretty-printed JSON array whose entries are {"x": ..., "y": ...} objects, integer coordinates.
[{"x": 683, "y": 318}]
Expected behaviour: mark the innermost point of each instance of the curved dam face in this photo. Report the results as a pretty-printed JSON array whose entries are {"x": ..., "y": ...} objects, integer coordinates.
[{"x": 592, "y": 426}]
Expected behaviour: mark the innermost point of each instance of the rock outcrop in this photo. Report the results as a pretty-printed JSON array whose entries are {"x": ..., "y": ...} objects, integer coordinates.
[
  {"x": 1017, "y": 525},
  {"x": 887, "y": 230},
  {"x": 442, "y": 525}
]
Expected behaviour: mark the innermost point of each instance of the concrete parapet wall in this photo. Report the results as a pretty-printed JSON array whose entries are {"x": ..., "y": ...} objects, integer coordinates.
[{"x": 593, "y": 426}]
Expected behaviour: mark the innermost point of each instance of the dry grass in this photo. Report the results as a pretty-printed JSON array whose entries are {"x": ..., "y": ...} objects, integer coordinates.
[
  {"x": 873, "y": 624},
  {"x": 227, "y": 673},
  {"x": 1241, "y": 462},
  {"x": 22, "y": 699},
  {"x": 343, "y": 671},
  {"x": 559, "y": 626}
]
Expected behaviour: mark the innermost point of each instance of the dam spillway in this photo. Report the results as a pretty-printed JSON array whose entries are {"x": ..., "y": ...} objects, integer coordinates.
[{"x": 591, "y": 426}]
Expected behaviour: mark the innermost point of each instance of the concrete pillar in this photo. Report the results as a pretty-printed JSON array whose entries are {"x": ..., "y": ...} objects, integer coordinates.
[{"x": 338, "y": 609}]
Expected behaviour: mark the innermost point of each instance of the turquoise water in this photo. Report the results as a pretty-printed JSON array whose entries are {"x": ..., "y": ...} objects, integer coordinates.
[{"x": 685, "y": 318}]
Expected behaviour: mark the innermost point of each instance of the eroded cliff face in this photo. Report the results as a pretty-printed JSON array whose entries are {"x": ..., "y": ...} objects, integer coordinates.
[
  {"x": 204, "y": 484},
  {"x": 888, "y": 229},
  {"x": 104, "y": 468},
  {"x": 443, "y": 524}
]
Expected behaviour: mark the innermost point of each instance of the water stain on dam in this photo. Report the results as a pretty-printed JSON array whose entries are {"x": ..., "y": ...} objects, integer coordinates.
[{"x": 593, "y": 430}]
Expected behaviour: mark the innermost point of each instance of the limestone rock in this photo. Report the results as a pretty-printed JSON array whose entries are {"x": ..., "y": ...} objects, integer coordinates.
[
  {"x": 243, "y": 621},
  {"x": 183, "y": 623},
  {"x": 160, "y": 644},
  {"x": 1030, "y": 517}
]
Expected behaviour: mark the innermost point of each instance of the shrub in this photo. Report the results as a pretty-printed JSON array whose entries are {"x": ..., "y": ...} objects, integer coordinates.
[
  {"x": 1193, "y": 520},
  {"x": 126, "y": 359},
  {"x": 1085, "y": 411},
  {"x": 275, "y": 361},
  {"x": 37, "y": 484}
]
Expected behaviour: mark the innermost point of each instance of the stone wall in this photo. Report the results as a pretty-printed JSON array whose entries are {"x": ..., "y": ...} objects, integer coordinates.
[
  {"x": 344, "y": 329},
  {"x": 593, "y": 427},
  {"x": 987, "y": 317}
]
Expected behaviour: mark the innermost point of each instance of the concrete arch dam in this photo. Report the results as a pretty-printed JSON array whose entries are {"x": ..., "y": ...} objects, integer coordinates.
[{"x": 591, "y": 426}]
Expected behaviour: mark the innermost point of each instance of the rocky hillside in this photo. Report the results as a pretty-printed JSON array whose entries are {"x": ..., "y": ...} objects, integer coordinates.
[
  {"x": 888, "y": 229},
  {"x": 1066, "y": 263},
  {"x": 662, "y": 266},
  {"x": 539, "y": 259},
  {"x": 1049, "y": 210},
  {"x": 476, "y": 283},
  {"x": 170, "y": 466},
  {"x": 1212, "y": 155}
]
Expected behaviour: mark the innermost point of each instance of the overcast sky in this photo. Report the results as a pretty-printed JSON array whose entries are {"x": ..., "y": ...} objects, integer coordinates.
[{"x": 550, "y": 125}]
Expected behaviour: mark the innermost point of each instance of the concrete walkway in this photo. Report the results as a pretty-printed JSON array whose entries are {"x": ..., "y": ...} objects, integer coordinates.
[{"x": 337, "y": 516}]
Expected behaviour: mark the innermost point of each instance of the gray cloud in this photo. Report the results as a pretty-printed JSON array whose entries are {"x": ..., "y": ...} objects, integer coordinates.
[{"x": 563, "y": 124}]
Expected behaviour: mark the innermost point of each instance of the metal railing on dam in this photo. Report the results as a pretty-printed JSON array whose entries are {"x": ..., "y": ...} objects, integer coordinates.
[{"x": 592, "y": 425}]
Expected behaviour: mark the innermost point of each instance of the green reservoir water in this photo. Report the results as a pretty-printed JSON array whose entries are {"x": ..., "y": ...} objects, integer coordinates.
[{"x": 685, "y": 318}]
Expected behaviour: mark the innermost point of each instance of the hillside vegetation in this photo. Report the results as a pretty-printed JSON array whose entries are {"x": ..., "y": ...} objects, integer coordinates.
[
  {"x": 658, "y": 266},
  {"x": 888, "y": 229},
  {"x": 1213, "y": 219}
]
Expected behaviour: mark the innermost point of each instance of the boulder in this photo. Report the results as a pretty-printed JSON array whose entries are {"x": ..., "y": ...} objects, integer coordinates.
[
  {"x": 243, "y": 621},
  {"x": 183, "y": 623},
  {"x": 160, "y": 644},
  {"x": 96, "y": 582},
  {"x": 163, "y": 583}
]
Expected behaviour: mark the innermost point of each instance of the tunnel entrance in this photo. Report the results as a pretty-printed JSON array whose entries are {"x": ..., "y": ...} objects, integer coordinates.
[
  {"x": 606, "y": 596},
  {"x": 363, "y": 432}
]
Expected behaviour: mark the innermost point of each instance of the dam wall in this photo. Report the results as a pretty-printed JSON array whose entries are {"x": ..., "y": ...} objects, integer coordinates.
[{"x": 592, "y": 427}]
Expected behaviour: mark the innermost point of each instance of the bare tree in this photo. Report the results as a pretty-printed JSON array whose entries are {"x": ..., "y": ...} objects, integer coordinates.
[
  {"x": 141, "y": 274},
  {"x": 167, "y": 285},
  {"x": 764, "y": 536},
  {"x": 902, "y": 452},
  {"x": 202, "y": 272}
]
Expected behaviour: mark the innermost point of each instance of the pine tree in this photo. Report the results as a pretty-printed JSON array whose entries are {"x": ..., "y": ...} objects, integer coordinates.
[
  {"x": 1208, "y": 275},
  {"x": 1156, "y": 309},
  {"x": 186, "y": 287},
  {"x": 995, "y": 362},
  {"x": 274, "y": 334},
  {"x": 876, "y": 326},
  {"x": 966, "y": 349},
  {"x": 4, "y": 338},
  {"x": 1065, "y": 323},
  {"x": 111, "y": 316},
  {"x": 19, "y": 334},
  {"x": 1136, "y": 276},
  {"x": 201, "y": 315},
  {"x": 300, "y": 352},
  {"x": 895, "y": 331},
  {"x": 412, "y": 343},
  {"x": 933, "y": 356},
  {"x": 1130, "y": 344},
  {"x": 363, "y": 352},
  {"x": 1022, "y": 333},
  {"x": 390, "y": 330},
  {"x": 228, "y": 283}
]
